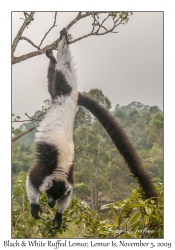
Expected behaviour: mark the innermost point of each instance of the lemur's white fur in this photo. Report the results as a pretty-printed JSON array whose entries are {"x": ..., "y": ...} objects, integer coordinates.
[
  {"x": 32, "y": 193},
  {"x": 57, "y": 128}
]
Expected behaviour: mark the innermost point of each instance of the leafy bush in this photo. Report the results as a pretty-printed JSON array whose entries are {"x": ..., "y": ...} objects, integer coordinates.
[{"x": 129, "y": 218}]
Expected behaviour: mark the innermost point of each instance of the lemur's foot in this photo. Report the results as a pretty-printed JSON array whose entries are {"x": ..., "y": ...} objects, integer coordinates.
[
  {"x": 35, "y": 209},
  {"x": 63, "y": 33},
  {"x": 50, "y": 55},
  {"x": 57, "y": 220}
]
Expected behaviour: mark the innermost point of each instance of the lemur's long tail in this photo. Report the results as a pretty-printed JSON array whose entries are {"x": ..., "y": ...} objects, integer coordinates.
[{"x": 121, "y": 142}]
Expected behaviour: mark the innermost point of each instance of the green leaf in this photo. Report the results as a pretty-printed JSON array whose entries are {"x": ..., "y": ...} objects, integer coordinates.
[
  {"x": 113, "y": 14},
  {"x": 136, "y": 204},
  {"x": 94, "y": 24},
  {"x": 135, "y": 217},
  {"x": 141, "y": 201},
  {"x": 148, "y": 210},
  {"x": 146, "y": 220},
  {"x": 160, "y": 233},
  {"x": 116, "y": 220},
  {"x": 105, "y": 206},
  {"x": 134, "y": 226}
]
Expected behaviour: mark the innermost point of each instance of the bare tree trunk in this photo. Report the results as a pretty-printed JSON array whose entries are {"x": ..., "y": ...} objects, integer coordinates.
[{"x": 92, "y": 194}]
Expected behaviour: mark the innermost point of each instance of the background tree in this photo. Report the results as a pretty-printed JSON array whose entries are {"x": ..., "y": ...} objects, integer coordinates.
[{"x": 155, "y": 129}]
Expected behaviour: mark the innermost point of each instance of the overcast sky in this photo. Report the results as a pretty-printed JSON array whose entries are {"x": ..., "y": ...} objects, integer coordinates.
[{"x": 127, "y": 66}]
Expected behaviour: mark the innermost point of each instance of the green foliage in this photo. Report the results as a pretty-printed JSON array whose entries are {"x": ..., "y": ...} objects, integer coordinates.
[
  {"x": 155, "y": 149},
  {"x": 84, "y": 117},
  {"x": 69, "y": 37},
  {"x": 16, "y": 131},
  {"x": 24, "y": 225},
  {"x": 98, "y": 95},
  {"x": 124, "y": 16},
  {"x": 138, "y": 218},
  {"x": 154, "y": 109},
  {"x": 37, "y": 117},
  {"x": 155, "y": 129},
  {"x": 23, "y": 157},
  {"x": 129, "y": 218}
]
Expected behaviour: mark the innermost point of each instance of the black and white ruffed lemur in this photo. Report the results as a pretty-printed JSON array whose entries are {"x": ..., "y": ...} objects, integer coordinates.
[{"x": 53, "y": 171}]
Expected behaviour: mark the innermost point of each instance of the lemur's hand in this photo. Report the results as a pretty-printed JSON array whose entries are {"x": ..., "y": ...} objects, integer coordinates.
[
  {"x": 49, "y": 53},
  {"x": 35, "y": 209},
  {"x": 58, "y": 220}
]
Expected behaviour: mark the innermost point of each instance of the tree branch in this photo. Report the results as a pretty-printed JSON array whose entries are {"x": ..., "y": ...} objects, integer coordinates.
[
  {"x": 14, "y": 138},
  {"x": 118, "y": 18},
  {"x": 27, "y": 21},
  {"x": 43, "y": 112}
]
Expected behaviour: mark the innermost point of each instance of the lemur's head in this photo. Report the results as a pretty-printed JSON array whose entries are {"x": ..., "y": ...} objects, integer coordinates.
[{"x": 55, "y": 192}]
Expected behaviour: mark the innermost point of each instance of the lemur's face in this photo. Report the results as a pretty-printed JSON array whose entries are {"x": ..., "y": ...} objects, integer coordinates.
[
  {"x": 51, "y": 201},
  {"x": 55, "y": 192}
]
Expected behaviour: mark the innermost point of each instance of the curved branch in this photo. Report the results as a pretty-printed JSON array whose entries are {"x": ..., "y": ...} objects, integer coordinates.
[{"x": 16, "y": 137}]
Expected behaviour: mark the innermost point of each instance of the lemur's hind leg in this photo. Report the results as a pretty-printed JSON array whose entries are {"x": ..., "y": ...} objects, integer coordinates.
[
  {"x": 63, "y": 32},
  {"x": 35, "y": 209},
  {"x": 33, "y": 196},
  {"x": 63, "y": 203}
]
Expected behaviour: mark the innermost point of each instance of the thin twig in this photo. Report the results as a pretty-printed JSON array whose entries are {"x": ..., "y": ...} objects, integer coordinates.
[
  {"x": 28, "y": 40},
  {"x": 34, "y": 119},
  {"x": 55, "y": 17},
  {"x": 30, "y": 118}
]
